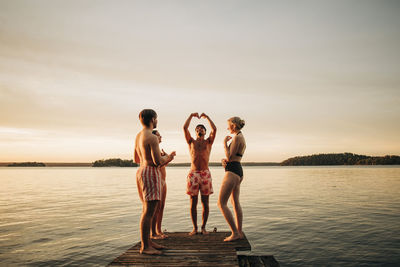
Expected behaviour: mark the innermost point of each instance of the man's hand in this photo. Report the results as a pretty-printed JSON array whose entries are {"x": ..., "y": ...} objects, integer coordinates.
[
  {"x": 172, "y": 155},
  {"x": 195, "y": 115},
  {"x": 163, "y": 152},
  {"x": 203, "y": 115}
]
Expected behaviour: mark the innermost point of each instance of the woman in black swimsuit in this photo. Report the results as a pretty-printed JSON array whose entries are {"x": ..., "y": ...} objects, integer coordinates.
[{"x": 233, "y": 177}]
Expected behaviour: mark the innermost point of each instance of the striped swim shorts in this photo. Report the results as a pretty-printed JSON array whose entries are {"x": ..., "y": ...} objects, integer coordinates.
[{"x": 149, "y": 180}]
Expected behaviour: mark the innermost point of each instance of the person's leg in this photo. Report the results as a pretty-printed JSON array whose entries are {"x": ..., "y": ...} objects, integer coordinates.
[
  {"x": 154, "y": 220},
  {"x": 237, "y": 209},
  {"x": 227, "y": 187},
  {"x": 193, "y": 213},
  {"x": 145, "y": 224},
  {"x": 161, "y": 212},
  {"x": 206, "y": 210},
  {"x": 139, "y": 188}
]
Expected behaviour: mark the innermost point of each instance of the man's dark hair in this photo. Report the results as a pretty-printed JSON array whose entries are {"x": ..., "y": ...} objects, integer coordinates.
[
  {"x": 201, "y": 126},
  {"x": 154, "y": 131},
  {"x": 146, "y": 115}
]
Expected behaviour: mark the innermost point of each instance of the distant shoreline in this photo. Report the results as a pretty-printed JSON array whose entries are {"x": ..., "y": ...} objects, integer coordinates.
[
  {"x": 90, "y": 164},
  {"x": 54, "y": 164},
  {"x": 330, "y": 159},
  {"x": 212, "y": 164}
]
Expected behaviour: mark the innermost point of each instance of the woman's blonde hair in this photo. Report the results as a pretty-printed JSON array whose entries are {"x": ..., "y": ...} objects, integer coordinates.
[{"x": 238, "y": 122}]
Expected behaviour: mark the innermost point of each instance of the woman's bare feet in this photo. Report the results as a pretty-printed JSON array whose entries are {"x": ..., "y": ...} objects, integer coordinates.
[
  {"x": 194, "y": 232},
  {"x": 232, "y": 237},
  {"x": 150, "y": 251}
]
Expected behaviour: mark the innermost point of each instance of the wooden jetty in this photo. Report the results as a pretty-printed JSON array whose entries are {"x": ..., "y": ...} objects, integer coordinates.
[{"x": 197, "y": 250}]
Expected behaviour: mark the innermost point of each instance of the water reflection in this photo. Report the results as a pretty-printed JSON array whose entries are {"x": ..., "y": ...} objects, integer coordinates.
[{"x": 304, "y": 216}]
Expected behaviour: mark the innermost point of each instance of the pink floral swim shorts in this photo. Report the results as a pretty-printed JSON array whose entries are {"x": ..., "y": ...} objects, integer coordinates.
[{"x": 199, "y": 180}]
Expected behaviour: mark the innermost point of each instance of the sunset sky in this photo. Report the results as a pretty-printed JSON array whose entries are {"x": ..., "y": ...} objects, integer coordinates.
[{"x": 306, "y": 76}]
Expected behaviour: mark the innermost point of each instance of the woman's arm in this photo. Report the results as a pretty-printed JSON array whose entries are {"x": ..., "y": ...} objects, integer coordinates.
[{"x": 226, "y": 146}]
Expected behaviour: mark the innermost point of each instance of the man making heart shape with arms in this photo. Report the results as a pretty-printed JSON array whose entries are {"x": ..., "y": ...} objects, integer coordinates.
[{"x": 199, "y": 177}]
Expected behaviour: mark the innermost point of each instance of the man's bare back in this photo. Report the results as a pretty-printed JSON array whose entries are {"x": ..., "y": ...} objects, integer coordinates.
[{"x": 146, "y": 143}]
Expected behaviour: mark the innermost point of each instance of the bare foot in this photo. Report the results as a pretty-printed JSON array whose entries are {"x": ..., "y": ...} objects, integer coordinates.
[
  {"x": 194, "y": 232},
  {"x": 204, "y": 232},
  {"x": 150, "y": 251},
  {"x": 162, "y": 235},
  {"x": 158, "y": 236},
  {"x": 232, "y": 237},
  {"x": 157, "y": 246}
]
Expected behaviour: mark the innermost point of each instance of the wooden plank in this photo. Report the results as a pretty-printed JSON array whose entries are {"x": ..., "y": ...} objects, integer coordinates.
[
  {"x": 257, "y": 261},
  {"x": 184, "y": 250}
]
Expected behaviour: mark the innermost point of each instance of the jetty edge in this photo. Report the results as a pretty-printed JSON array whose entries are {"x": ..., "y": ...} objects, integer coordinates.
[{"x": 196, "y": 250}]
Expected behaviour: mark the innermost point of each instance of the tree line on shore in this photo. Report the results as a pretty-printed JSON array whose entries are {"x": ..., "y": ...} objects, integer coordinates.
[
  {"x": 311, "y": 160},
  {"x": 341, "y": 159},
  {"x": 115, "y": 162},
  {"x": 27, "y": 164}
]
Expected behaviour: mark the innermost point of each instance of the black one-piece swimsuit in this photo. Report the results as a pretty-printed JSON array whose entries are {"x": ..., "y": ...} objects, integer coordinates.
[{"x": 235, "y": 167}]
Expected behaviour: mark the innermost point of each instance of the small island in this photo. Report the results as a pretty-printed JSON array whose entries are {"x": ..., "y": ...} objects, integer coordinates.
[
  {"x": 116, "y": 162},
  {"x": 27, "y": 164}
]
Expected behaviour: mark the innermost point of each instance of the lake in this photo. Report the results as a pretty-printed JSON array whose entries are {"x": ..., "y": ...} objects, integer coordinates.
[{"x": 304, "y": 216}]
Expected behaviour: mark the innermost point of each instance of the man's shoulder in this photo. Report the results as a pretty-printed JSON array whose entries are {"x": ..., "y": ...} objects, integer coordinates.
[
  {"x": 147, "y": 136},
  {"x": 210, "y": 139}
]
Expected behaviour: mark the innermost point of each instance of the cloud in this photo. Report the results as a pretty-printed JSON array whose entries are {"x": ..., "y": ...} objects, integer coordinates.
[{"x": 301, "y": 79}]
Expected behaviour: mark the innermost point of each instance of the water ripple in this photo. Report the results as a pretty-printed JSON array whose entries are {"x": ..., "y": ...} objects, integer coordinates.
[{"x": 316, "y": 216}]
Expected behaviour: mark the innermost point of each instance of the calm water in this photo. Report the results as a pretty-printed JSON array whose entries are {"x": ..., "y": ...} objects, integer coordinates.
[{"x": 304, "y": 216}]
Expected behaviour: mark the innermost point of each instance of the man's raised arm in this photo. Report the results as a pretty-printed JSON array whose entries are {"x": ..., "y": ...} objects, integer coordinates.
[
  {"x": 186, "y": 126},
  {"x": 213, "y": 128}
]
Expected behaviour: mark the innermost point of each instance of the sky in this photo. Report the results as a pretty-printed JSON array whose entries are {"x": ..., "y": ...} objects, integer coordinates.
[{"x": 307, "y": 76}]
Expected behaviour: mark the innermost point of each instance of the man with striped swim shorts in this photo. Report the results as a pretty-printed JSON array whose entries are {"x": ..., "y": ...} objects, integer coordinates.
[
  {"x": 199, "y": 178},
  {"x": 148, "y": 180},
  {"x": 148, "y": 154}
]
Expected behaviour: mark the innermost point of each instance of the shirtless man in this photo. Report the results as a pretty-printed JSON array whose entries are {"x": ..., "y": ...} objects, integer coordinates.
[
  {"x": 199, "y": 176},
  {"x": 148, "y": 154},
  {"x": 156, "y": 231}
]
